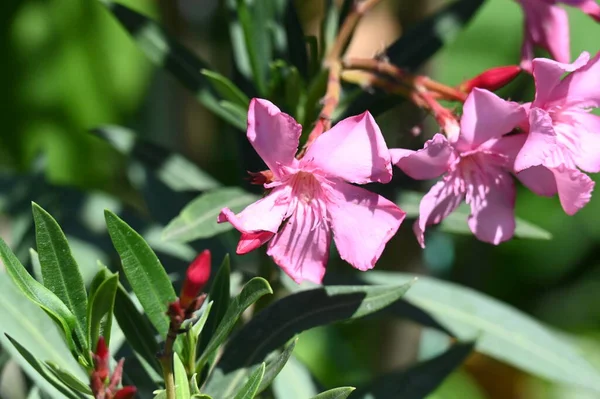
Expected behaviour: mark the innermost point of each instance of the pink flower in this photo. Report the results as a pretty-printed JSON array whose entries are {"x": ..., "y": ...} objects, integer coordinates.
[
  {"x": 312, "y": 197},
  {"x": 547, "y": 26},
  {"x": 475, "y": 168},
  {"x": 563, "y": 135}
]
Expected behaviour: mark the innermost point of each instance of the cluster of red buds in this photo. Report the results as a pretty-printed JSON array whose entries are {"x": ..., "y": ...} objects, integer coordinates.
[
  {"x": 103, "y": 384},
  {"x": 190, "y": 297}
]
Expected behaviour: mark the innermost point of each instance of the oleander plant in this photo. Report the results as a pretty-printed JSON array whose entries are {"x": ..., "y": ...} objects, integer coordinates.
[{"x": 349, "y": 227}]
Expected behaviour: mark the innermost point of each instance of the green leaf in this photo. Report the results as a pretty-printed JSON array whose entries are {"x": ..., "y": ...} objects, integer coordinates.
[
  {"x": 39, "y": 295},
  {"x": 36, "y": 332},
  {"x": 68, "y": 379},
  {"x": 502, "y": 331},
  {"x": 143, "y": 270},
  {"x": 226, "y": 88},
  {"x": 413, "y": 48},
  {"x": 248, "y": 391},
  {"x": 274, "y": 367},
  {"x": 60, "y": 271},
  {"x": 294, "y": 381},
  {"x": 173, "y": 169},
  {"x": 172, "y": 56},
  {"x": 252, "y": 291},
  {"x": 336, "y": 393},
  {"x": 40, "y": 368},
  {"x": 101, "y": 304},
  {"x": 199, "y": 218},
  {"x": 456, "y": 222},
  {"x": 418, "y": 381},
  {"x": 182, "y": 385},
  {"x": 298, "y": 312},
  {"x": 219, "y": 294}
]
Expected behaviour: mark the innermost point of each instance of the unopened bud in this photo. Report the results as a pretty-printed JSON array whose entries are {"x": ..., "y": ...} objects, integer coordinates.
[
  {"x": 261, "y": 178},
  {"x": 250, "y": 241},
  {"x": 127, "y": 392},
  {"x": 196, "y": 278},
  {"x": 492, "y": 79},
  {"x": 101, "y": 360}
]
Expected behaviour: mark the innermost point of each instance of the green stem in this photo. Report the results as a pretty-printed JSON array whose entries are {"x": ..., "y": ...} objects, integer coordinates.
[{"x": 166, "y": 361}]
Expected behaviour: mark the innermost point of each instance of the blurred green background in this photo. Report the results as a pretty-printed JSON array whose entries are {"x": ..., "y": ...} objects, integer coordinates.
[{"x": 69, "y": 67}]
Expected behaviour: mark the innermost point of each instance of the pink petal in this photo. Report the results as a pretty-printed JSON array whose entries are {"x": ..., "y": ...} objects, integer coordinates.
[
  {"x": 583, "y": 140},
  {"x": 539, "y": 179},
  {"x": 301, "y": 248},
  {"x": 541, "y": 143},
  {"x": 581, "y": 87},
  {"x": 441, "y": 200},
  {"x": 590, "y": 7},
  {"x": 547, "y": 26},
  {"x": 273, "y": 134},
  {"x": 251, "y": 241},
  {"x": 547, "y": 74},
  {"x": 487, "y": 116},
  {"x": 506, "y": 146},
  {"x": 353, "y": 150},
  {"x": 265, "y": 214},
  {"x": 429, "y": 162},
  {"x": 362, "y": 223},
  {"x": 492, "y": 216},
  {"x": 574, "y": 188}
]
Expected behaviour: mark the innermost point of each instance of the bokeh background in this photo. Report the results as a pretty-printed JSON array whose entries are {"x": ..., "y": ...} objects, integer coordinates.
[{"x": 68, "y": 67}]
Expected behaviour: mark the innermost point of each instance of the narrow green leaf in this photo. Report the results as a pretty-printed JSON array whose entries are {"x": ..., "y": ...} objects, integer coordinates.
[
  {"x": 42, "y": 371},
  {"x": 39, "y": 295},
  {"x": 295, "y": 46},
  {"x": 252, "y": 291},
  {"x": 136, "y": 328},
  {"x": 274, "y": 367},
  {"x": 502, "y": 331},
  {"x": 418, "y": 381},
  {"x": 182, "y": 385},
  {"x": 199, "y": 218},
  {"x": 194, "y": 388},
  {"x": 101, "y": 305},
  {"x": 219, "y": 294},
  {"x": 172, "y": 56},
  {"x": 226, "y": 88},
  {"x": 22, "y": 318},
  {"x": 336, "y": 393},
  {"x": 294, "y": 382},
  {"x": 68, "y": 379},
  {"x": 198, "y": 326},
  {"x": 143, "y": 270},
  {"x": 35, "y": 265},
  {"x": 250, "y": 389},
  {"x": 303, "y": 310},
  {"x": 456, "y": 222},
  {"x": 60, "y": 270}
]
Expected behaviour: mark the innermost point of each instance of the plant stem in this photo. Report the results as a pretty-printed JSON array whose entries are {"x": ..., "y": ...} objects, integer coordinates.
[{"x": 166, "y": 360}]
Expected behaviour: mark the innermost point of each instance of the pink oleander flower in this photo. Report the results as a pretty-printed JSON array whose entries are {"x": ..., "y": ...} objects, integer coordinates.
[
  {"x": 563, "y": 135},
  {"x": 547, "y": 26},
  {"x": 476, "y": 168},
  {"x": 310, "y": 198}
]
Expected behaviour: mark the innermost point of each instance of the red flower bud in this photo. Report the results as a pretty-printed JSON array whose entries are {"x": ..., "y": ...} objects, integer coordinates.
[
  {"x": 250, "y": 241},
  {"x": 492, "y": 79},
  {"x": 196, "y": 278},
  {"x": 101, "y": 360},
  {"x": 260, "y": 178},
  {"x": 127, "y": 392}
]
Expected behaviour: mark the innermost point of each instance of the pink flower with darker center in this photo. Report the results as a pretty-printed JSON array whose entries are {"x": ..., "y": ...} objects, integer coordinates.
[
  {"x": 547, "y": 26},
  {"x": 563, "y": 135},
  {"x": 311, "y": 198},
  {"x": 476, "y": 168}
]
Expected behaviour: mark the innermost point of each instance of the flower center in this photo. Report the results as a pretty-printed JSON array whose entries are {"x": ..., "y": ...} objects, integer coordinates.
[{"x": 305, "y": 186}]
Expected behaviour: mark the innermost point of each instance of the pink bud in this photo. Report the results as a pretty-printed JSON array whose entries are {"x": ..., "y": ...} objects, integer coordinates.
[
  {"x": 250, "y": 241},
  {"x": 127, "y": 392},
  {"x": 492, "y": 79},
  {"x": 101, "y": 360},
  {"x": 196, "y": 278}
]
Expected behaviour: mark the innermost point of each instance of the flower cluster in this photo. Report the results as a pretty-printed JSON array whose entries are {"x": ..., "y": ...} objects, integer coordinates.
[
  {"x": 102, "y": 383},
  {"x": 544, "y": 144}
]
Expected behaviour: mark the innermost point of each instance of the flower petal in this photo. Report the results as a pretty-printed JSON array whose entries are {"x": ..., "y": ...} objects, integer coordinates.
[
  {"x": 547, "y": 74},
  {"x": 265, "y": 214},
  {"x": 541, "y": 143},
  {"x": 579, "y": 132},
  {"x": 581, "y": 87},
  {"x": 353, "y": 150},
  {"x": 427, "y": 163},
  {"x": 273, "y": 134},
  {"x": 539, "y": 179},
  {"x": 362, "y": 223},
  {"x": 574, "y": 188},
  {"x": 492, "y": 216},
  {"x": 590, "y": 7},
  {"x": 301, "y": 248},
  {"x": 441, "y": 200},
  {"x": 487, "y": 116}
]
